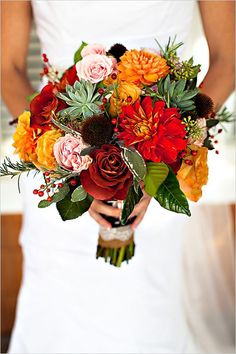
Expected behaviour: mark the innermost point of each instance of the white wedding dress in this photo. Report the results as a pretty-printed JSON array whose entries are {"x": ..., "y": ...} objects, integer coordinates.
[{"x": 70, "y": 302}]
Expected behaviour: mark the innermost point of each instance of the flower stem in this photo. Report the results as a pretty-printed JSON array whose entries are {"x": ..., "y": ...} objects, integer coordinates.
[{"x": 121, "y": 256}]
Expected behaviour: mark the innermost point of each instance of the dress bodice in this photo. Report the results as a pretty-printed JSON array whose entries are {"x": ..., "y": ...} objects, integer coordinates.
[{"x": 63, "y": 25}]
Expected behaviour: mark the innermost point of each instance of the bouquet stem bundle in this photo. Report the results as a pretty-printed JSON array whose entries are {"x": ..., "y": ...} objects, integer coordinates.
[{"x": 116, "y": 251}]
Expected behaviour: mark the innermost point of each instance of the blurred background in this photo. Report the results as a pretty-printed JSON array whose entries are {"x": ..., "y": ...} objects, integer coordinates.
[{"x": 208, "y": 282}]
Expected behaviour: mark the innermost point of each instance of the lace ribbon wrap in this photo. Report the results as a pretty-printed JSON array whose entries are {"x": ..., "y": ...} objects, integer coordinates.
[{"x": 115, "y": 237}]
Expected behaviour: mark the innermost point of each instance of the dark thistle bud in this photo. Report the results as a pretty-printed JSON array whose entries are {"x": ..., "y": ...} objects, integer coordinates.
[
  {"x": 204, "y": 105},
  {"x": 96, "y": 130},
  {"x": 117, "y": 50}
]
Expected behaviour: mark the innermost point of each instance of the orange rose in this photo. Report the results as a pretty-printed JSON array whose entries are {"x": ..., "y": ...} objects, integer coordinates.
[
  {"x": 127, "y": 94},
  {"x": 44, "y": 149},
  {"x": 25, "y": 139},
  {"x": 192, "y": 177},
  {"x": 141, "y": 67}
]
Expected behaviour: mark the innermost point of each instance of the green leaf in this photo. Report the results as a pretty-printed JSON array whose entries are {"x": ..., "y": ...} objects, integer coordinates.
[
  {"x": 77, "y": 55},
  {"x": 69, "y": 210},
  {"x": 170, "y": 196},
  {"x": 78, "y": 194},
  {"x": 156, "y": 174},
  {"x": 86, "y": 151},
  {"x": 211, "y": 123},
  {"x": 136, "y": 185},
  {"x": 58, "y": 196},
  {"x": 131, "y": 200},
  {"x": 31, "y": 97},
  {"x": 135, "y": 162}
]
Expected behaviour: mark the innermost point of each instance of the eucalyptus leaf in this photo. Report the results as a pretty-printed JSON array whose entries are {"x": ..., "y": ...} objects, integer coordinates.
[
  {"x": 78, "y": 194},
  {"x": 155, "y": 176},
  {"x": 170, "y": 196},
  {"x": 131, "y": 200},
  {"x": 135, "y": 162}
]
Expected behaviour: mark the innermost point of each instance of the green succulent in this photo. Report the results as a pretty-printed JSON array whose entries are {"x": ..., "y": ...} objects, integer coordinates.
[
  {"x": 83, "y": 100},
  {"x": 175, "y": 94}
]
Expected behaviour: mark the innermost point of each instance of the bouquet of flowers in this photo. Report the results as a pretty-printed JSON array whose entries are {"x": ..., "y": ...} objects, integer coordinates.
[{"x": 114, "y": 125}]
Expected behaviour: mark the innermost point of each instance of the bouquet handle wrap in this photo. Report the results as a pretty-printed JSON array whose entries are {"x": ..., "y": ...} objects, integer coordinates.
[{"x": 116, "y": 244}]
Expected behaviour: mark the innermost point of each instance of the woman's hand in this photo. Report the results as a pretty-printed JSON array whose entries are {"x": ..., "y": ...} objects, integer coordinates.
[
  {"x": 98, "y": 207},
  {"x": 140, "y": 210}
]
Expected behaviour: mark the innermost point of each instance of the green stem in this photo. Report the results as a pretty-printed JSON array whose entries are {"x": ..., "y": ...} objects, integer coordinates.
[
  {"x": 114, "y": 256},
  {"x": 121, "y": 256}
]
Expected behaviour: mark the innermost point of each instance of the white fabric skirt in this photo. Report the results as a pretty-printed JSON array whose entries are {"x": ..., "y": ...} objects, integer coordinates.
[{"x": 70, "y": 302}]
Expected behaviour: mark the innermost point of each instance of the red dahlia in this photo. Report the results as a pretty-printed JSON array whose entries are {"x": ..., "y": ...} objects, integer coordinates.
[{"x": 157, "y": 132}]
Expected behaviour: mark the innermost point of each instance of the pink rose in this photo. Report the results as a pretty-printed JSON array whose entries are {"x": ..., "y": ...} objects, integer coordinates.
[
  {"x": 94, "y": 67},
  {"x": 93, "y": 49},
  {"x": 67, "y": 151}
]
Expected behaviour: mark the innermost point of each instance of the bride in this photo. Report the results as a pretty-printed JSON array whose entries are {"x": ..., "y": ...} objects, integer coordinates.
[{"x": 70, "y": 302}]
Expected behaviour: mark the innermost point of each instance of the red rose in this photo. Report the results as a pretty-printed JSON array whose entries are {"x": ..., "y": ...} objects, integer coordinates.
[
  {"x": 68, "y": 78},
  {"x": 108, "y": 177},
  {"x": 43, "y": 104}
]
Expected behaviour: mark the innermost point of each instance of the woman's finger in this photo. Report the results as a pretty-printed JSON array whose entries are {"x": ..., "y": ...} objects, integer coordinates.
[
  {"x": 140, "y": 207},
  {"x": 102, "y": 208},
  {"x": 137, "y": 220},
  {"x": 99, "y": 219}
]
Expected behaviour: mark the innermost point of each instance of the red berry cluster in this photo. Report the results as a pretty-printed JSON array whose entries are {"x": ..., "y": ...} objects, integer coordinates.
[
  {"x": 214, "y": 140},
  {"x": 47, "y": 66},
  {"x": 48, "y": 187}
]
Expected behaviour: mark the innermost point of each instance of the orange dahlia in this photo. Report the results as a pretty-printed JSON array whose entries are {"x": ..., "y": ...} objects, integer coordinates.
[
  {"x": 193, "y": 176},
  {"x": 127, "y": 93},
  {"x": 157, "y": 132},
  {"x": 141, "y": 67},
  {"x": 25, "y": 139}
]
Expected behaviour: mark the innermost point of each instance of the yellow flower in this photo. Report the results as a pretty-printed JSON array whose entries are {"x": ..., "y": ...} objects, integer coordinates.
[
  {"x": 141, "y": 67},
  {"x": 44, "y": 149},
  {"x": 25, "y": 139},
  {"x": 127, "y": 93},
  {"x": 192, "y": 177}
]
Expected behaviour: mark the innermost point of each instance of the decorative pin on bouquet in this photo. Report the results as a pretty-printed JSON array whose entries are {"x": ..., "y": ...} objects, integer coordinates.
[{"x": 115, "y": 125}]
